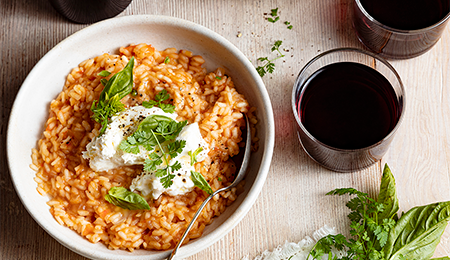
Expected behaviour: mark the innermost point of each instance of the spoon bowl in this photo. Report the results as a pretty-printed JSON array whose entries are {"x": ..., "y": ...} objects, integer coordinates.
[{"x": 239, "y": 177}]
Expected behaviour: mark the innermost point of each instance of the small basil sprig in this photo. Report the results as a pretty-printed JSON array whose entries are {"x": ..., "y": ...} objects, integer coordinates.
[
  {"x": 200, "y": 182},
  {"x": 126, "y": 199},
  {"x": 117, "y": 87}
]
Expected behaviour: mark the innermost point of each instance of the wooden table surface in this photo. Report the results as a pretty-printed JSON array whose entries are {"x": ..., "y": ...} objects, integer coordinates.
[{"x": 292, "y": 203}]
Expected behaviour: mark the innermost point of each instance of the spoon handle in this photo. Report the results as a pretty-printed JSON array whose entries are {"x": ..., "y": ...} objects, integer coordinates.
[
  {"x": 192, "y": 222},
  {"x": 236, "y": 181}
]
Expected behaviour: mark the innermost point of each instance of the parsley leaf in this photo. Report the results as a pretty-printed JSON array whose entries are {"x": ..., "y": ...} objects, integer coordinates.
[
  {"x": 117, "y": 87},
  {"x": 274, "y": 14},
  {"x": 163, "y": 157},
  {"x": 159, "y": 98},
  {"x": 269, "y": 65}
]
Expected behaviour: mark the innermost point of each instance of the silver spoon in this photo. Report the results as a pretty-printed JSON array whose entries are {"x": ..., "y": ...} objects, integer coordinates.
[{"x": 236, "y": 181}]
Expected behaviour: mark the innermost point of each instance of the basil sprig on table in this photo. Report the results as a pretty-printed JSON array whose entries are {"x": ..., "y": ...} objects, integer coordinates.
[
  {"x": 377, "y": 231},
  {"x": 126, "y": 199},
  {"x": 116, "y": 88}
]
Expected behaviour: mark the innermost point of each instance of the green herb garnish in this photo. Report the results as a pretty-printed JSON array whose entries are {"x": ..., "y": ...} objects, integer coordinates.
[
  {"x": 163, "y": 157},
  {"x": 126, "y": 199},
  {"x": 269, "y": 66},
  {"x": 274, "y": 14},
  {"x": 104, "y": 73},
  {"x": 167, "y": 60},
  {"x": 194, "y": 154},
  {"x": 199, "y": 181},
  {"x": 153, "y": 130},
  {"x": 159, "y": 98},
  {"x": 117, "y": 87},
  {"x": 376, "y": 231},
  {"x": 289, "y": 26}
]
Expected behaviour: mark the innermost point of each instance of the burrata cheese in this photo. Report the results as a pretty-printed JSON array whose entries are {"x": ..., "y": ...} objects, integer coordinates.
[{"x": 104, "y": 154}]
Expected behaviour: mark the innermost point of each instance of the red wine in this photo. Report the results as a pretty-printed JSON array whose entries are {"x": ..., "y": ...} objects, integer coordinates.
[
  {"x": 348, "y": 105},
  {"x": 406, "y": 15}
]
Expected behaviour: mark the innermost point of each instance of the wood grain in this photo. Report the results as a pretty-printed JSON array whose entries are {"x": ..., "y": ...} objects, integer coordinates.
[{"x": 292, "y": 203}]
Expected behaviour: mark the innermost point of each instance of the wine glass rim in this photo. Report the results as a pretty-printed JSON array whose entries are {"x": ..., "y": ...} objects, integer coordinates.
[
  {"x": 402, "y": 31},
  {"x": 349, "y": 49}
]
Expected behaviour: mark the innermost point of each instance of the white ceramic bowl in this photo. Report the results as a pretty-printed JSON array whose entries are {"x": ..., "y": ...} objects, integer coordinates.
[{"x": 47, "y": 78}]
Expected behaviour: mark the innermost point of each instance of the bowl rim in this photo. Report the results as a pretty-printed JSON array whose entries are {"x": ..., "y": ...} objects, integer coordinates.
[{"x": 269, "y": 138}]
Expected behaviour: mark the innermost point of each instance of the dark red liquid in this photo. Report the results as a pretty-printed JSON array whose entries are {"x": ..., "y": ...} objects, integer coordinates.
[
  {"x": 407, "y": 14},
  {"x": 348, "y": 106}
]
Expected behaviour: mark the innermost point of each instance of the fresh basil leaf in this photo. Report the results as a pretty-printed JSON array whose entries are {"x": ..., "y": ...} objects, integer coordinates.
[
  {"x": 388, "y": 196},
  {"x": 126, "y": 199},
  {"x": 200, "y": 182},
  {"x": 441, "y": 258},
  {"x": 104, "y": 82},
  {"x": 120, "y": 83},
  {"x": 117, "y": 87},
  {"x": 418, "y": 232},
  {"x": 104, "y": 73}
]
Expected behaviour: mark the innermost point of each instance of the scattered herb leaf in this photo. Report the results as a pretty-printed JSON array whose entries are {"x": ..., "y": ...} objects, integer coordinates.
[
  {"x": 273, "y": 20},
  {"x": 289, "y": 26},
  {"x": 274, "y": 12},
  {"x": 117, "y": 87},
  {"x": 199, "y": 181},
  {"x": 159, "y": 98},
  {"x": 126, "y": 199},
  {"x": 269, "y": 65},
  {"x": 167, "y": 60}
]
